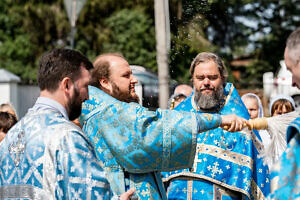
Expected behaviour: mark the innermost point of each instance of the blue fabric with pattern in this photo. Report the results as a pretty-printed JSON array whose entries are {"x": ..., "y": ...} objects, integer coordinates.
[
  {"x": 226, "y": 165},
  {"x": 130, "y": 139},
  {"x": 286, "y": 180},
  {"x": 45, "y": 156}
]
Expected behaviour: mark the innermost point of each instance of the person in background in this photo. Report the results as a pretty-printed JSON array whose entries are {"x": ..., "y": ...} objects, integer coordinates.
[
  {"x": 286, "y": 172},
  {"x": 281, "y": 104},
  {"x": 7, "y": 120},
  {"x": 221, "y": 168},
  {"x": 276, "y": 144},
  {"x": 183, "y": 89},
  {"x": 181, "y": 92},
  {"x": 255, "y": 109},
  {"x": 45, "y": 155},
  {"x": 175, "y": 100},
  {"x": 253, "y": 105},
  {"x": 7, "y": 107},
  {"x": 155, "y": 140}
]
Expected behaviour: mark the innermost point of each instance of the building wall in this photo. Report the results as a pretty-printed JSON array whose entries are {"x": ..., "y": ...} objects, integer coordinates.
[
  {"x": 9, "y": 94},
  {"x": 27, "y": 95},
  {"x": 4, "y": 93}
]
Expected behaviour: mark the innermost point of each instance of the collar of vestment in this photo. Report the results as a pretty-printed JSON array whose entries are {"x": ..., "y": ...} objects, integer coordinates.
[{"x": 43, "y": 103}]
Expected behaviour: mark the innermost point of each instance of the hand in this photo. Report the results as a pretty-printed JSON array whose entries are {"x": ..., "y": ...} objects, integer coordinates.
[
  {"x": 233, "y": 123},
  {"x": 128, "y": 194}
]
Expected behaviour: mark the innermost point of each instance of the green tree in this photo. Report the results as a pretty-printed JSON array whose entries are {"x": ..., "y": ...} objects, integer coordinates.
[
  {"x": 29, "y": 28},
  {"x": 131, "y": 32}
]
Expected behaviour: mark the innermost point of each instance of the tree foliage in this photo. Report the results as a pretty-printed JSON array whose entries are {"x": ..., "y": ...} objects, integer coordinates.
[{"x": 234, "y": 29}]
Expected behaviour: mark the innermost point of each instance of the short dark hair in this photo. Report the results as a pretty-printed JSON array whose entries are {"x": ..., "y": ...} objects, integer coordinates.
[
  {"x": 102, "y": 68},
  {"x": 207, "y": 56},
  {"x": 7, "y": 121},
  {"x": 58, "y": 64}
]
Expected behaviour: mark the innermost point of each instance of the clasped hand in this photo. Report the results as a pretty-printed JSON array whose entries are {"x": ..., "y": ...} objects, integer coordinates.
[{"x": 233, "y": 123}]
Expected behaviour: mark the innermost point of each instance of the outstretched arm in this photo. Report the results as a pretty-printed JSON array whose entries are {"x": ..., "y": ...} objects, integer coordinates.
[{"x": 143, "y": 140}]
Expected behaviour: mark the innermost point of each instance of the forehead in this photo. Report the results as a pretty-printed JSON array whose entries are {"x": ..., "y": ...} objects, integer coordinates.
[
  {"x": 118, "y": 65},
  {"x": 209, "y": 68},
  {"x": 250, "y": 102}
]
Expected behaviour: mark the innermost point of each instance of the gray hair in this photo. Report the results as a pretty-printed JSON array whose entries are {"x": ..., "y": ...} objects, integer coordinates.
[
  {"x": 293, "y": 45},
  {"x": 207, "y": 56}
]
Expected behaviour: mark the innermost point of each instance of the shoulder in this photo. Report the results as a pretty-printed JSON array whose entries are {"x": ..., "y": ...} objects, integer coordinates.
[
  {"x": 55, "y": 128},
  {"x": 293, "y": 129}
]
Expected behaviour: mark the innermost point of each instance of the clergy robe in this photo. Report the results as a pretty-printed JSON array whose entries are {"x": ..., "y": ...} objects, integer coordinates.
[
  {"x": 135, "y": 144},
  {"x": 286, "y": 172},
  {"x": 226, "y": 165},
  {"x": 45, "y": 156}
]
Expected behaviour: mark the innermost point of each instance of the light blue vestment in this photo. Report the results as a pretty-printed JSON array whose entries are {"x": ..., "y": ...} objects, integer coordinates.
[
  {"x": 135, "y": 144},
  {"x": 226, "y": 164},
  {"x": 45, "y": 156},
  {"x": 286, "y": 172}
]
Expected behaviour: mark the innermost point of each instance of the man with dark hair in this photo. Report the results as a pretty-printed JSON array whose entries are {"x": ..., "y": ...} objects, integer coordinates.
[
  {"x": 226, "y": 165},
  {"x": 155, "y": 141},
  {"x": 7, "y": 120},
  {"x": 45, "y": 155},
  {"x": 286, "y": 181}
]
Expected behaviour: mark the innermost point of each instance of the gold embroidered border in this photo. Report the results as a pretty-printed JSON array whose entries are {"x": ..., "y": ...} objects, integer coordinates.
[
  {"x": 193, "y": 176},
  {"x": 256, "y": 191},
  {"x": 259, "y": 146},
  {"x": 233, "y": 157},
  {"x": 189, "y": 189},
  {"x": 229, "y": 95},
  {"x": 219, "y": 191}
]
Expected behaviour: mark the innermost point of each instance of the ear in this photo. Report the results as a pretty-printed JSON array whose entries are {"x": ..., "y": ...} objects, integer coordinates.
[
  {"x": 105, "y": 85},
  {"x": 66, "y": 84}
]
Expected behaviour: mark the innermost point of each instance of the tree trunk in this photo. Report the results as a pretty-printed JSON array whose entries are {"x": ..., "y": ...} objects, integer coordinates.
[{"x": 162, "y": 33}]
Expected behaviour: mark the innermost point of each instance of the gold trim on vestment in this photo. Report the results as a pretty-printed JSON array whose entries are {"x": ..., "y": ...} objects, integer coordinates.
[
  {"x": 256, "y": 191},
  {"x": 258, "y": 145},
  {"x": 189, "y": 189},
  {"x": 192, "y": 176},
  {"x": 224, "y": 154},
  {"x": 229, "y": 94},
  {"x": 219, "y": 191}
]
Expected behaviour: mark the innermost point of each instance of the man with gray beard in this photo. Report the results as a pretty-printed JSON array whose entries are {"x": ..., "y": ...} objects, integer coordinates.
[{"x": 221, "y": 166}]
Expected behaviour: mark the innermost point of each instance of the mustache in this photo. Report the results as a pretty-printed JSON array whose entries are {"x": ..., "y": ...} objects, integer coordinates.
[{"x": 206, "y": 88}]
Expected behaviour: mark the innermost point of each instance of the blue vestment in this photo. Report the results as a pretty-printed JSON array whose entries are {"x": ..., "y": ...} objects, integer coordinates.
[
  {"x": 135, "y": 144},
  {"x": 45, "y": 156},
  {"x": 226, "y": 164},
  {"x": 286, "y": 172}
]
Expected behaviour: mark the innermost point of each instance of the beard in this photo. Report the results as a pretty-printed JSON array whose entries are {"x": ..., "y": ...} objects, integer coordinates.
[
  {"x": 209, "y": 102},
  {"x": 75, "y": 105},
  {"x": 124, "y": 96}
]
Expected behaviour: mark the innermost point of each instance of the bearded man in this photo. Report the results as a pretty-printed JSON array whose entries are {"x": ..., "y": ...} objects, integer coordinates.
[
  {"x": 155, "y": 140},
  {"x": 45, "y": 155},
  {"x": 226, "y": 164}
]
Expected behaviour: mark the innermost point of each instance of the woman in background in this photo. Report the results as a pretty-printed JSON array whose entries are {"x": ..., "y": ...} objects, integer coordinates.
[
  {"x": 281, "y": 104},
  {"x": 255, "y": 109},
  {"x": 7, "y": 121}
]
